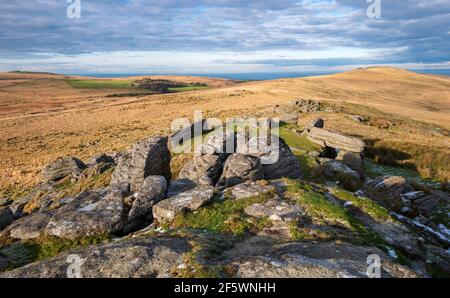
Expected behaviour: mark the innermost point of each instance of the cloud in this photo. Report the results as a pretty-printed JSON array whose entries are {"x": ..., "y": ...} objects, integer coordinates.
[{"x": 410, "y": 32}]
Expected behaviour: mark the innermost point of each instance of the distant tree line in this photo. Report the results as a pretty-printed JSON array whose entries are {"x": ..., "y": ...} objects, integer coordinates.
[{"x": 162, "y": 86}]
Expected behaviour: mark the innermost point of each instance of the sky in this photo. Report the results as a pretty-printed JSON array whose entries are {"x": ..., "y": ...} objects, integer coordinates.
[{"x": 223, "y": 36}]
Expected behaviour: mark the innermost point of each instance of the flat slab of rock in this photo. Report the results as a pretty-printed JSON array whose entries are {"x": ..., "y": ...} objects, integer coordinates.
[
  {"x": 250, "y": 189},
  {"x": 183, "y": 202},
  {"x": 90, "y": 213},
  {"x": 136, "y": 258},
  {"x": 31, "y": 226},
  {"x": 63, "y": 167},
  {"x": 327, "y": 138},
  {"x": 275, "y": 210},
  {"x": 205, "y": 169},
  {"x": 145, "y": 158},
  {"x": 180, "y": 185},
  {"x": 322, "y": 260}
]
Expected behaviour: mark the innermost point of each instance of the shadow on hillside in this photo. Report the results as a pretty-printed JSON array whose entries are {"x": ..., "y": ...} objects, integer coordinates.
[{"x": 388, "y": 156}]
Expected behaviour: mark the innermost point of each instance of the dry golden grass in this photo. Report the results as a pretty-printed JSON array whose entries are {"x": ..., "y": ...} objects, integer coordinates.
[{"x": 42, "y": 117}]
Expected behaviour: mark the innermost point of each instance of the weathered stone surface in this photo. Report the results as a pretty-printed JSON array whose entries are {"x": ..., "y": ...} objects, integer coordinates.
[
  {"x": 63, "y": 167},
  {"x": 90, "y": 213},
  {"x": 31, "y": 226},
  {"x": 180, "y": 185},
  {"x": 145, "y": 158},
  {"x": 425, "y": 205},
  {"x": 420, "y": 203},
  {"x": 414, "y": 195},
  {"x": 185, "y": 201},
  {"x": 95, "y": 169},
  {"x": 351, "y": 159},
  {"x": 153, "y": 190},
  {"x": 221, "y": 142},
  {"x": 441, "y": 194},
  {"x": 239, "y": 168},
  {"x": 322, "y": 260},
  {"x": 38, "y": 198},
  {"x": 337, "y": 171},
  {"x": 275, "y": 210},
  {"x": 317, "y": 122},
  {"x": 335, "y": 140},
  {"x": 203, "y": 168},
  {"x": 6, "y": 217},
  {"x": 287, "y": 165},
  {"x": 250, "y": 189},
  {"x": 398, "y": 236},
  {"x": 136, "y": 258},
  {"x": 388, "y": 191},
  {"x": 276, "y": 158}
]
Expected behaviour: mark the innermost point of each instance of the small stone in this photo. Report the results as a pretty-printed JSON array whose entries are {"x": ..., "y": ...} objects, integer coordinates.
[
  {"x": 250, "y": 189},
  {"x": 186, "y": 201},
  {"x": 63, "y": 167},
  {"x": 414, "y": 195},
  {"x": 388, "y": 190},
  {"x": 275, "y": 210},
  {"x": 30, "y": 227}
]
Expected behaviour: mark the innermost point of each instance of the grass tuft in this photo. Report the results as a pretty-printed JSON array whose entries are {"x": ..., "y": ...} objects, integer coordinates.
[{"x": 224, "y": 216}]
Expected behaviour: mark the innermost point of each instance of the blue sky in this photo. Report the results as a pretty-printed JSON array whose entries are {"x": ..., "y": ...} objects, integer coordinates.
[{"x": 222, "y": 36}]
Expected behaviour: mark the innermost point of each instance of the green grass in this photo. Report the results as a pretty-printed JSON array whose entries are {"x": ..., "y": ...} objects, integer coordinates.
[
  {"x": 188, "y": 88},
  {"x": 429, "y": 162},
  {"x": 300, "y": 145},
  {"x": 21, "y": 253},
  {"x": 224, "y": 216},
  {"x": 296, "y": 141},
  {"x": 373, "y": 169},
  {"x": 378, "y": 213},
  {"x": 317, "y": 206},
  {"x": 307, "y": 164},
  {"x": 441, "y": 216},
  {"x": 324, "y": 212},
  {"x": 100, "y": 84}
]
